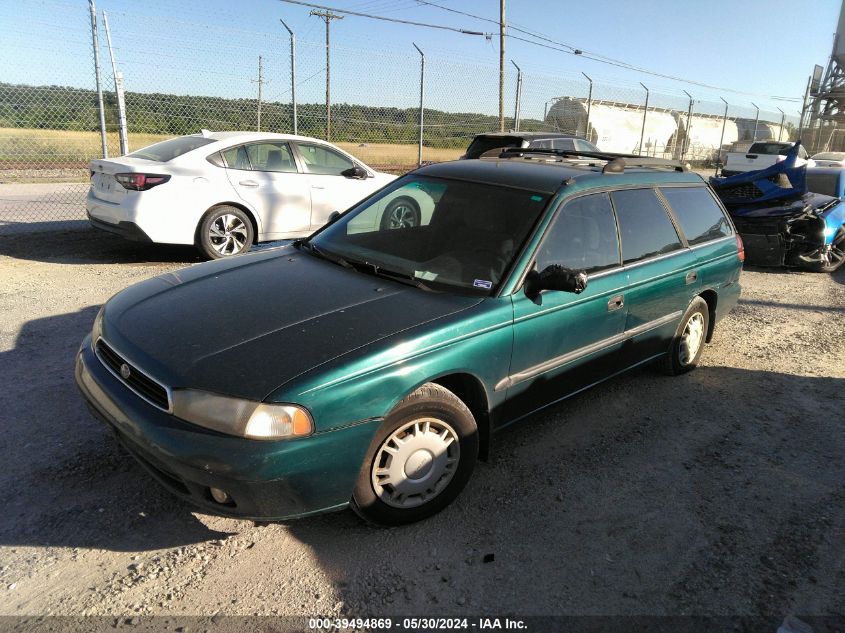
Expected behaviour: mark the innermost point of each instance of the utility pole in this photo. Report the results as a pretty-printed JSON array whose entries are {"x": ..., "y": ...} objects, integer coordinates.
[
  {"x": 260, "y": 81},
  {"x": 328, "y": 16},
  {"x": 502, "y": 65}
]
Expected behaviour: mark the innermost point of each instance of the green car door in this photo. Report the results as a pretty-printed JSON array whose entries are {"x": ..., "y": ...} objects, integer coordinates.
[
  {"x": 561, "y": 340},
  {"x": 662, "y": 272}
]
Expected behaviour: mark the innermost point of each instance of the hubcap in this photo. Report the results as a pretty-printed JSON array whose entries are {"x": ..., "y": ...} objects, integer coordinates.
[
  {"x": 401, "y": 216},
  {"x": 227, "y": 234},
  {"x": 415, "y": 463},
  {"x": 691, "y": 338}
]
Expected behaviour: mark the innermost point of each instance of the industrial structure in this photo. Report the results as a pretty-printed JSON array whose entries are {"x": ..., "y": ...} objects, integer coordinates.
[
  {"x": 663, "y": 132},
  {"x": 825, "y": 129}
]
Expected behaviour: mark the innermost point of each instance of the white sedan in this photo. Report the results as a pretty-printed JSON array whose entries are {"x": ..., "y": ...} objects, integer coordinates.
[
  {"x": 224, "y": 191},
  {"x": 829, "y": 159}
]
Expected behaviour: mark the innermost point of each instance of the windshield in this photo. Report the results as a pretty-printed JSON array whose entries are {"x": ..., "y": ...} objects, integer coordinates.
[
  {"x": 170, "y": 149},
  {"x": 489, "y": 144},
  {"x": 439, "y": 234}
]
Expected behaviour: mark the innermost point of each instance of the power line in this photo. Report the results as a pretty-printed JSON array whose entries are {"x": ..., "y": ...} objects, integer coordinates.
[
  {"x": 386, "y": 19},
  {"x": 569, "y": 48}
]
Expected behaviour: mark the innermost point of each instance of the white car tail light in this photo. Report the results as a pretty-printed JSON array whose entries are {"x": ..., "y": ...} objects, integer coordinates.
[{"x": 140, "y": 182}]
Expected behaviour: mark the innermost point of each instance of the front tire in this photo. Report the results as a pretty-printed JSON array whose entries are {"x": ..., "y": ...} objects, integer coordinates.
[
  {"x": 224, "y": 231},
  {"x": 688, "y": 342},
  {"x": 420, "y": 459}
]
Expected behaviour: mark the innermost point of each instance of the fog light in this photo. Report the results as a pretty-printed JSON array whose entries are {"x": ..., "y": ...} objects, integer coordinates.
[{"x": 220, "y": 496}]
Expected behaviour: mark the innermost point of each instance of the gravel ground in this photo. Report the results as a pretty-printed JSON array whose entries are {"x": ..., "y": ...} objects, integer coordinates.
[{"x": 718, "y": 492}]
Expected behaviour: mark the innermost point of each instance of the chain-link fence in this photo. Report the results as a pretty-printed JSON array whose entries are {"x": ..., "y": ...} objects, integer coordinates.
[{"x": 162, "y": 76}]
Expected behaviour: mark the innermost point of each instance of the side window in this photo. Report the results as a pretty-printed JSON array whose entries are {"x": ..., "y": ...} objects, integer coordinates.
[
  {"x": 585, "y": 146},
  {"x": 236, "y": 158},
  {"x": 271, "y": 157},
  {"x": 802, "y": 153},
  {"x": 582, "y": 236},
  {"x": 697, "y": 213},
  {"x": 644, "y": 225},
  {"x": 322, "y": 160}
]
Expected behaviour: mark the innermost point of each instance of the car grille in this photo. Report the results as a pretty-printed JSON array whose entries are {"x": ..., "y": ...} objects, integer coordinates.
[{"x": 137, "y": 381}]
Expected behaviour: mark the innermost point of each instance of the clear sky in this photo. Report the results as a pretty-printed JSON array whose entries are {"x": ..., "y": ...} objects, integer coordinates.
[{"x": 764, "y": 47}]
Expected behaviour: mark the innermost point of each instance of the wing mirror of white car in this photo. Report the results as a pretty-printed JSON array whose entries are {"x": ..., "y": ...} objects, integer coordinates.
[{"x": 357, "y": 172}]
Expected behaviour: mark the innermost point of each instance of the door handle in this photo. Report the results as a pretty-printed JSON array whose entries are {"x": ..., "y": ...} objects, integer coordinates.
[
  {"x": 692, "y": 276},
  {"x": 614, "y": 303},
  {"x": 248, "y": 183}
]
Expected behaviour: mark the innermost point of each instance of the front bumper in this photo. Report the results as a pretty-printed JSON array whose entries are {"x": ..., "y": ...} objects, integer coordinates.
[
  {"x": 265, "y": 480},
  {"x": 782, "y": 242}
]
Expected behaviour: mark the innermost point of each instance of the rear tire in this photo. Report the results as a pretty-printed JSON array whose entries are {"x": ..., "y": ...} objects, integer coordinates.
[
  {"x": 688, "y": 342},
  {"x": 224, "y": 231},
  {"x": 420, "y": 459},
  {"x": 402, "y": 213}
]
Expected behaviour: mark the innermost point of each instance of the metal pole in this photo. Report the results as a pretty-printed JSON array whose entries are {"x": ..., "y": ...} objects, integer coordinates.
[
  {"x": 645, "y": 112},
  {"x": 502, "y": 27},
  {"x": 804, "y": 107},
  {"x": 782, "y": 119},
  {"x": 756, "y": 120},
  {"x": 518, "y": 97},
  {"x": 589, "y": 107},
  {"x": 686, "y": 143},
  {"x": 422, "y": 96},
  {"x": 260, "y": 84},
  {"x": 328, "y": 16},
  {"x": 118, "y": 90},
  {"x": 96, "y": 44},
  {"x": 722, "y": 138},
  {"x": 292, "y": 73}
]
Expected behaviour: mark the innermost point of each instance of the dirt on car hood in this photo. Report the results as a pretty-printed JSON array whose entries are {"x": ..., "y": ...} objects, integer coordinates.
[{"x": 248, "y": 325}]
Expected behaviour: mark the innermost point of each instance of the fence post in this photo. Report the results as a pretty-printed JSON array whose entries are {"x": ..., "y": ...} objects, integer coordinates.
[
  {"x": 645, "y": 112},
  {"x": 96, "y": 44},
  {"x": 686, "y": 143},
  {"x": 518, "y": 97},
  {"x": 118, "y": 90},
  {"x": 756, "y": 120},
  {"x": 782, "y": 119},
  {"x": 589, "y": 107},
  {"x": 721, "y": 138},
  {"x": 422, "y": 96},
  {"x": 292, "y": 73}
]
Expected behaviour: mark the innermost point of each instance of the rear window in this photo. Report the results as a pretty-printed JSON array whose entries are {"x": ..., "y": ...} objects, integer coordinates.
[
  {"x": 644, "y": 225},
  {"x": 483, "y": 144},
  {"x": 697, "y": 212},
  {"x": 770, "y": 148},
  {"x": 173, "y": 148}
]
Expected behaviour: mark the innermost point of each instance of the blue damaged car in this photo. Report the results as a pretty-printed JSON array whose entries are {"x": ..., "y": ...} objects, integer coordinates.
[{"x": 788, "y": 215}]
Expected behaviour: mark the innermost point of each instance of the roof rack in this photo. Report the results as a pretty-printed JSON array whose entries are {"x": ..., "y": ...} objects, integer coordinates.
[{"x": 616, "y": 163}]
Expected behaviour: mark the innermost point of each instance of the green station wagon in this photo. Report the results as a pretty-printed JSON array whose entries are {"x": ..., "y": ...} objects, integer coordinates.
[{"x": 370, "y": 364}]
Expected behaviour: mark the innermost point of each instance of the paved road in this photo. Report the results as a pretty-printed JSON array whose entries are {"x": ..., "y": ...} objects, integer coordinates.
[{"x": 34, "y": 207}]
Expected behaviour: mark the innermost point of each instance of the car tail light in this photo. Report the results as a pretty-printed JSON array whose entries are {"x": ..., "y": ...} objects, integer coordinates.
[
  {"x": 140, "y": 182},
  {"x": 740, "y": 248}
]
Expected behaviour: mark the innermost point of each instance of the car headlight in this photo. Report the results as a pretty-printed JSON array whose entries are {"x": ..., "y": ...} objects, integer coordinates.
[
  {"x": 244, "y": 418},
  {"x": 97, "y": 329}
]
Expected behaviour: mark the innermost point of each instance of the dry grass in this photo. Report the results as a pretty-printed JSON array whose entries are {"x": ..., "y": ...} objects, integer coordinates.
[{"x": 24, "y": 153}]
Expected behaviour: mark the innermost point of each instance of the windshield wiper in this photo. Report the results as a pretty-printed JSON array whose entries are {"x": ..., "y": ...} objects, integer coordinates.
[
  {"x": 316, "y": 250},
  {"x": 406, "y": 278}
]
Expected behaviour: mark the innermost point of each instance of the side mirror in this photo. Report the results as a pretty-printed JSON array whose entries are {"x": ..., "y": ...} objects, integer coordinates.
[
  {"x": 357, "y": 172},
  {"x": 555, "y": 277},
  {"x": 334, "y": 215}
]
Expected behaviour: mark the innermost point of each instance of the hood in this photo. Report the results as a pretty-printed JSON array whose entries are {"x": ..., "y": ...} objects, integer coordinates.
[
  {"x": 246, "y": 326},
  {"x": 785, "y": 208}
]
